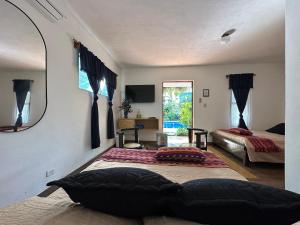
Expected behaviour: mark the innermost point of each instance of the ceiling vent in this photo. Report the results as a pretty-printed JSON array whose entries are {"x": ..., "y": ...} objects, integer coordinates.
[{"x": 47, "y": 9}]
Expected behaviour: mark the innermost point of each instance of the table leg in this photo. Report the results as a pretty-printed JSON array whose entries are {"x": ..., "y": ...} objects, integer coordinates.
[
  {"x": 205, "y": 143},
  {"x": 121, "y": 140},
  {"x": 198, "y": 140},
  {"x": 190, "y": 136}
]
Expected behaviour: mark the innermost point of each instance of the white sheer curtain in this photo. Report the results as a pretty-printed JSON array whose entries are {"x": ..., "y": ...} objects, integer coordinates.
[{"x": 234, "y": 120}]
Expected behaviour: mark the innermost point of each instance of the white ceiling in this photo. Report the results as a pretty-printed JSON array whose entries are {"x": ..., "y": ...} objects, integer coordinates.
[
  {"x": 186, "y": 32},
  {"x": 21, "y": 45}
]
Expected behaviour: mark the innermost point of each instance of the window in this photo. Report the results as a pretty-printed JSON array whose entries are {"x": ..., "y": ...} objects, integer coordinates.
[
  {"x": 235, "y": 115},
  {"x": 26, "y": 110},
  {"x": 85, "y": 84}
]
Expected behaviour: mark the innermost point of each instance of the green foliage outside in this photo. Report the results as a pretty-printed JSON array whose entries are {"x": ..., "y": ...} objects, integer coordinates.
[
  {"x": 171, "y": 107},
  {"x": 185, "y": 116},
  {"x": 178, "y": 107},
  {"x": 171, "y": 111},
  {"x": 181, "y": 132}
]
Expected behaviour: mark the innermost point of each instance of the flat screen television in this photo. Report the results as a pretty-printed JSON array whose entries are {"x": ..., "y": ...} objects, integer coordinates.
[{"x": 140, "y": 93}]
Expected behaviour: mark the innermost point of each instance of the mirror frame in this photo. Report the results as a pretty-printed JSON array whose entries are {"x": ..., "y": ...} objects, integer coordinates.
[{"x": 46, "y": 69}]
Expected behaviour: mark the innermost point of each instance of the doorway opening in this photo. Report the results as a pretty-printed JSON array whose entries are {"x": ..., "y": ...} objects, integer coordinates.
[{"x": 177, "y": 110}]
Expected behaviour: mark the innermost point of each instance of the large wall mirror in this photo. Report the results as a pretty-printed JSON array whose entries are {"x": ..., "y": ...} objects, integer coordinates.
[{"x": 23, "y": 94}]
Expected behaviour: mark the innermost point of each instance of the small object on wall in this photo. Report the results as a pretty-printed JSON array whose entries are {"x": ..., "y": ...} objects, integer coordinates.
[
  {"x": 205, "y": 92},
  {"x": 50, "y": 173}
]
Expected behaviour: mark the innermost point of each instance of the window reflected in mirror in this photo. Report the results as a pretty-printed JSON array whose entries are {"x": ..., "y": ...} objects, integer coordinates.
[{"x": 23, "y": 95}]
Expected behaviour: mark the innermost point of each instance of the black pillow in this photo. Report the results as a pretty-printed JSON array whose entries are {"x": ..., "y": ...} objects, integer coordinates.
[
  {"x": 233, "y": 202},
  {"x": 278, "y": 129},
  {"x": 122, "y": 191}
]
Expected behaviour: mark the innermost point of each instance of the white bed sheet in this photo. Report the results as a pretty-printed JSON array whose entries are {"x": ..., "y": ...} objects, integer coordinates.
[
  {"x": 179, "y": 174},
  {"x": 58, "y": 209}
]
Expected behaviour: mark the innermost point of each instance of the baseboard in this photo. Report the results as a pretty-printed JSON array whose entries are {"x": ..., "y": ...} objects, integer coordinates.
[{"x": 52, "y": 189}]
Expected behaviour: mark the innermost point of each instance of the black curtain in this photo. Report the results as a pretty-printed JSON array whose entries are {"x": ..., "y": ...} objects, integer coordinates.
[
  {"x": 111, "y": 82},
  {"x": 95, "y": 72},
  {"x": 240, "y": 85},
  {"x": 21, "y": 88}
]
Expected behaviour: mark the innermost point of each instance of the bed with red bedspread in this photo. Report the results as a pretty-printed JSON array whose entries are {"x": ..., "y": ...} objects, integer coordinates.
[{"x": 251, "y": 146}]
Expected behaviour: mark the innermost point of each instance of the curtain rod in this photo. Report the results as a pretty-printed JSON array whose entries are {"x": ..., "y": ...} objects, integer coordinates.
[
  {"x": 227, "y": 76},
  {"x": 23, "y": 79},
  {"x": 77, "y": 44}
]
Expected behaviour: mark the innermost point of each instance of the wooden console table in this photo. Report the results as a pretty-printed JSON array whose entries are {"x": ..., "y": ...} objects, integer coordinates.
[{"x": 147, "y": 123}]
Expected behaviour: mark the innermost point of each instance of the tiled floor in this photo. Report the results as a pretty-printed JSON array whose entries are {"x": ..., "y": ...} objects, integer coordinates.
[{"x": 177, "y": 140}]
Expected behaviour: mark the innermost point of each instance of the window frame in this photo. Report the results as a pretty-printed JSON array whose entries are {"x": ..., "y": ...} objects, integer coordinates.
[
  {"x": 102, "y": 91},
  {"x": 27, "y": 103},
  {"x": 248, "y": 121}
]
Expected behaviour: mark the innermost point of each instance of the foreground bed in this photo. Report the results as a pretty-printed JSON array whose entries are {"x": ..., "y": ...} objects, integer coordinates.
[
  {"x": 58, "y": 209},
  {"x": 242, "y": 148}
]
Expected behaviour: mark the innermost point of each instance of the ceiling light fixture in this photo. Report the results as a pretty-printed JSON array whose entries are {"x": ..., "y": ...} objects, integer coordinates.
[{"x": 225, "y": 38}]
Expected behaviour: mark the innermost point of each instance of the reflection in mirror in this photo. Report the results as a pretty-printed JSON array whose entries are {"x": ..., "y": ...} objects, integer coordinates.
[{"x": 22, "y": 70}]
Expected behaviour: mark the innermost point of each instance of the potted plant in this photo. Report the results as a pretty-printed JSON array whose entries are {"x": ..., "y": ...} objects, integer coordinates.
[{"x": 126, "y": 107}]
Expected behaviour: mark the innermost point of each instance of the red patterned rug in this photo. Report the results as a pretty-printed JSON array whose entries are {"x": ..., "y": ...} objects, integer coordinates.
[{"x": 147, "y": 157}]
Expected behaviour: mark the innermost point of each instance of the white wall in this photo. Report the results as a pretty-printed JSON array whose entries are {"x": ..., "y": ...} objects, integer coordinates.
[
  {"x": 61, "y": 140},
  {"x": 8, "y": 98},
  {"x": 292, "y": 152},
  {"x": 267, "y": 95}
]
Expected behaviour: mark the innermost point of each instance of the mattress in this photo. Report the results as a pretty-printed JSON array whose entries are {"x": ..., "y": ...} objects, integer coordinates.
[
  {"x": 179, "y": 174},
  {"x": 58, "y": 209},
  {"x": 271, "y": 157},
  {"x": 47, "y": 211}
]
